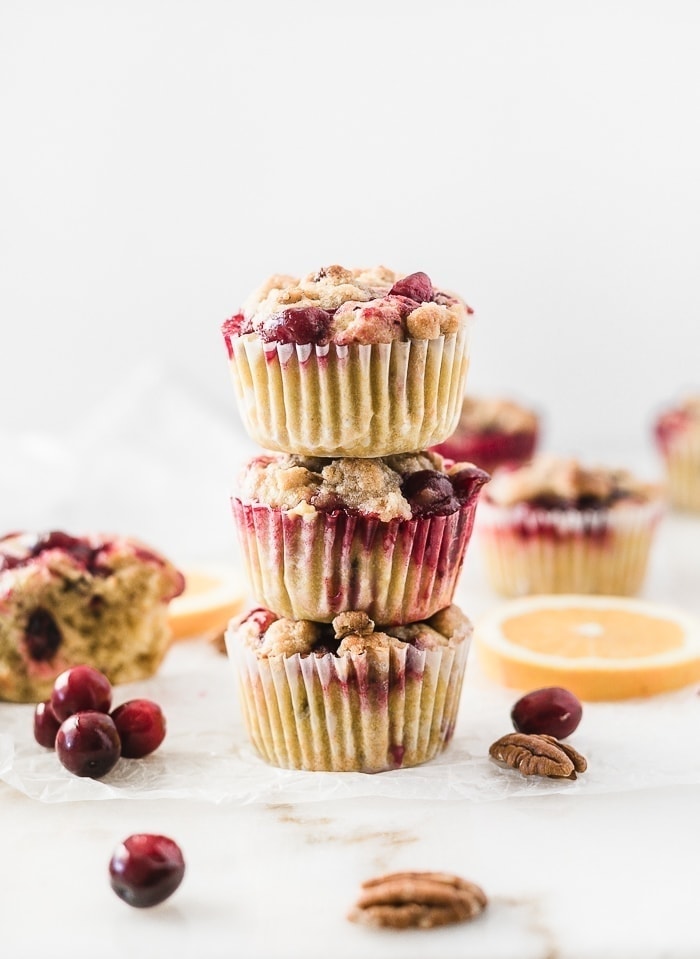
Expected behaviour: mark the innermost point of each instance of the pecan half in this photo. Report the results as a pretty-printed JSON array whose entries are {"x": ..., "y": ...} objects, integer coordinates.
[
  {"x": 538, "y": 755},
  {"x": 421, "y": 900}
]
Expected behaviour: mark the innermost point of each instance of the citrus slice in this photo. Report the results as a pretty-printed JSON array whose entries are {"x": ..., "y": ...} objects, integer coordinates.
[
  {"x": 212, "y": 595},
  {"x": 598, "y": 647}
]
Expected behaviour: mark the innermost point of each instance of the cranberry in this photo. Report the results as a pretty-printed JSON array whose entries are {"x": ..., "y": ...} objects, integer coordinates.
[
  {"x": 80, "y": 688},
  {"x": 468, "y": 481},
  {"x": 141, "y": 727},
  {"x": 430, "y": 493},
  {"x": 88, "y": 744},
  {"x": 307, "y": 324},
  {"x": 45, "y": 725},
  {"x": 42, "y": 637},
  {"x": 552, "y": 711},
  {"x": 262, "y": 618},
  {"x": 146, "y": 869},
  {"x": 415, "y": 286}
]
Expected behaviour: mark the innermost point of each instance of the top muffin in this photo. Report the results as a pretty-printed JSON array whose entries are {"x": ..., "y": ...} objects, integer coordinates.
[{"x": 362, "y": 362}]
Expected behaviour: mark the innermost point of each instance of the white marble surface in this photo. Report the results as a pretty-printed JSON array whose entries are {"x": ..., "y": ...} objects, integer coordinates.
[{"x": 570, "y": 874}]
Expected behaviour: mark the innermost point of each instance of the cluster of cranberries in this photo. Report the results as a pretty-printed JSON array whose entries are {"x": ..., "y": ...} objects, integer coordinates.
[
  {"x": 551, "y": 711},
  {"x": 89, "y": 739}
]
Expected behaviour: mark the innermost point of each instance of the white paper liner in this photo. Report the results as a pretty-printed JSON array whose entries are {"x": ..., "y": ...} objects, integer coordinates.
[
  {"x": 567, "y": 551},
  {"x": 206, "y": 756},
  {"x": 356, "y": 400}
]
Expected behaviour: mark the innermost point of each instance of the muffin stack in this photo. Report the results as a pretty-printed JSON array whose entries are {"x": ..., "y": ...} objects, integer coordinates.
[{"x": 352, "y": 540}]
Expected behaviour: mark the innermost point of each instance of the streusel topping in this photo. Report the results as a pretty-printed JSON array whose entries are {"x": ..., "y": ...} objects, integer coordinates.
[
  {"x": 350, "y": 632},
  {"x": 341, "y": 306},
  {"x": 495, "y": 415},
  {"x": 557, "y": 482},
  {"x": 378, "y": 487}
]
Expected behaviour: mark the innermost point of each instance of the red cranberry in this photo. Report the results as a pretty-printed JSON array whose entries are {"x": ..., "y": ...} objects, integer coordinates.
[
  {"x": 146, "y": 869},
  {"x": 552, "y": 711},
  {"x": 45, "y": 725},
  {"x": 468, "y": 481},
  {"x": 307, "y": 324},
  {"x": 88, "y": 744},
  {"x": 80, "y": 688},
  {"x": 415, "y": 286},
  {"x": 42, "y": 637},
  {"x": 263, "y": 618},
  {"x": 430, "y": 493},
  {"x": 141, "y": 727}
]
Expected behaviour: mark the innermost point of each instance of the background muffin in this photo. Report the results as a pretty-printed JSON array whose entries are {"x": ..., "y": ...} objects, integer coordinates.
[
  {"x": 492, "y": 432},
  {"x": 554, "y": 526},
  {"x": 387, "y": 536},
  {"x": 677, "y": 434},
  {"x": 349, "y": 362},
  {"x": 347, "y": 697}
]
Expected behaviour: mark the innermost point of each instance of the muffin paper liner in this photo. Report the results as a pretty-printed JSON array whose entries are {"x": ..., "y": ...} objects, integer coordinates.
[
  {"x": 364, "y": 712},
  {"x": 530, "y": 550},
  {"x": 316, "y": 565},
  {"x": 682, "y": 461},
  {"x": 355, "y": 400}
]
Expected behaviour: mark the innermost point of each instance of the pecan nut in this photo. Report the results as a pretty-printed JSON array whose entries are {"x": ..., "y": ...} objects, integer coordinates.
[
  {"x": 420, "y": 900},
  {"x": 538, "y": 755}
]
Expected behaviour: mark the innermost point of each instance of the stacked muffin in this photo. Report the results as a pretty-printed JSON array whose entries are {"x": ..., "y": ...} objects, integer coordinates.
[{"x": 352, "y": 532}]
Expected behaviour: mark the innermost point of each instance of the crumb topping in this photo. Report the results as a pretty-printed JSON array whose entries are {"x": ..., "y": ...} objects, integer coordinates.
[
  {"x": 351, "y": 632},
  {"x": 555, "y": 482},
  {"x": 495, "y": 416},
  {"x": 342, "y": 306}
]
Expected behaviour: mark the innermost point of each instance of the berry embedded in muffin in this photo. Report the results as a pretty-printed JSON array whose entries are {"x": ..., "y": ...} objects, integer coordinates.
[
  {"x": 385, "y": 535},
  {"x": 492, "y": 432},
  {"x": 68, "y": 600}
]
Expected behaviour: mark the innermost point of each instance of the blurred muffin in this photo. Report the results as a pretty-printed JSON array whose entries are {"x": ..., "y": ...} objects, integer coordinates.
[
  {"x": 677, "y": 434},
  {"x": 554, "y": 526},
  {"x": 66, "y": 600},
  {"x": 492, "y": 433},
  {"x": 344, "y": 696},
  {"x": 349, "y": 362},
  {"x": 388, "y": 536}
]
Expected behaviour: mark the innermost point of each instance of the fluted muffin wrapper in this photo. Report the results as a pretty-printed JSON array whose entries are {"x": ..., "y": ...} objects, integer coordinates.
[
  {"x": 314, "y": 566},
  {"x": 682, "y": 460},
  {"x": 529, "y": 550},
  {"x": 367, "y": 712},
  {"x": 356, "y": 400}
]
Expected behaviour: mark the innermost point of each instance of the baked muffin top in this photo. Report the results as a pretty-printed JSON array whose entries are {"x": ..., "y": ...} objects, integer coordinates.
[
  {"x": 403, "y": 486},
  {"x": 341, "y": 306},
  {"x": 680, "y": 420},
  {"x": 352, "y": 632},
  {"x": 552, "y": 482},
  {"x": 495, "y": 415}
]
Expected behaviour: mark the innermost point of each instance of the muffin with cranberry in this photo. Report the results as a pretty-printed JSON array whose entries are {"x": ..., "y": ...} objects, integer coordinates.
[
  {"x": 349, "y": 362},
  {"x": 492, "y": 432},
  {"x": 344, "y": 696},
  {"x": 67, "y": 600},
  {"x": 677, "y": 434},
  {"x": 555, "y": 526},
  {"x": 385, "y": 535}
]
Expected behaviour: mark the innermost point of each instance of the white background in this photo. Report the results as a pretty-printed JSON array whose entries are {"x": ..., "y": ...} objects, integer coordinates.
[{"x": 160, "y": 158}]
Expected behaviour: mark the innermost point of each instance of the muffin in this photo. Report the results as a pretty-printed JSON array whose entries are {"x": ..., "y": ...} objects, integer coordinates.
[
  {"x": 67, "y": 600},
  {"x": 386, "y": 535},
  {"x": 554, "y": 526},
  {"x": 677, "y": 434},
  {"x": 349, "y": 362},
  {"x": 344, "y": 696},
  {"x": 492, "y": 433}
]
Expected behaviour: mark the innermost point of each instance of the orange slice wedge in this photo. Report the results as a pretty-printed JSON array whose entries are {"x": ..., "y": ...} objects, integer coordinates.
[
  {"x": 213, "y": 594},
  {"x": 598, "y": 647}
]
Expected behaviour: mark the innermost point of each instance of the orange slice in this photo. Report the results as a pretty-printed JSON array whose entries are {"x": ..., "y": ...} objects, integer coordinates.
[
  {"x": 213, "y": 594},
  {"x": 598, "y": 647}
]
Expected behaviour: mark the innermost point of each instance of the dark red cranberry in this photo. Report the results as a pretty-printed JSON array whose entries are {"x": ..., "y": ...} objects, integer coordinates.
[
  {"x": 42, "y": 637},
  {"x": 429, "y": 493},
  {"x": 552, "y": 711},
  {"x": 415, "y": 286},
  {"x": 146, "y": 869},
  {"x": 307, "y": 324},
  {"x": 80, "y": 688},
  {"x": 45, "y": 725},
  {"x": 141, "y": 727},
  {"x": 87, "y": 744},
  {"x": 468, "y": 481},
  {"x": 262, "y": 618}
]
